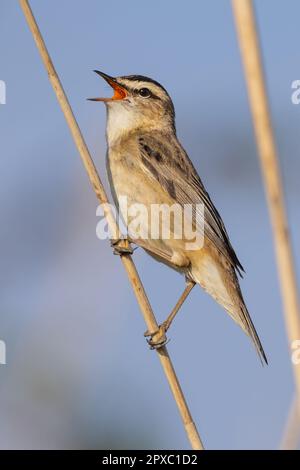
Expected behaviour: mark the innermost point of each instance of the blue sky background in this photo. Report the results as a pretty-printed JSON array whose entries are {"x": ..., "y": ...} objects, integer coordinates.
[{"x": 78, "y": 373}]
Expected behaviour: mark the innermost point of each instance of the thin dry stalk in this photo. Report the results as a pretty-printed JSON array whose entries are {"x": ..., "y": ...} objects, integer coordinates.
[
  {"x": 127, "y": 261},
  {"x": 250, "y": 51},
  {"x": 291, "y": 435}
]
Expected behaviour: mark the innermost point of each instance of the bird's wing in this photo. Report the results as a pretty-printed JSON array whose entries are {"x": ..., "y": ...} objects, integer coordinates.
[{"x": 165, "y": 160}]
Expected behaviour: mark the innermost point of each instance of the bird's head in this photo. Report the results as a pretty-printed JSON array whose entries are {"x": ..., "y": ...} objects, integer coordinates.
[{"x": 138, "y": 103}]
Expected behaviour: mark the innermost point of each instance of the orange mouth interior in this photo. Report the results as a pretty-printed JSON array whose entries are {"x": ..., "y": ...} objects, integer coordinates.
[{"x": 119, "y": 93}]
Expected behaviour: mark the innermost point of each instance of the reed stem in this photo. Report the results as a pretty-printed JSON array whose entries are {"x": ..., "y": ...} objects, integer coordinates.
[{"x": 250, "y": 51}]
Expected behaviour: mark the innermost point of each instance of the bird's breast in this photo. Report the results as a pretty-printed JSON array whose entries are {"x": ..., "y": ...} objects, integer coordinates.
[{"x": 128, "y": 179}]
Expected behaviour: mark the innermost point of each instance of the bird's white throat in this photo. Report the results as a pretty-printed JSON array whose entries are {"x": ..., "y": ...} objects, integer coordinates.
[
  {"x": 124, "y": 118},
  {"x": 121, "y": 119}
]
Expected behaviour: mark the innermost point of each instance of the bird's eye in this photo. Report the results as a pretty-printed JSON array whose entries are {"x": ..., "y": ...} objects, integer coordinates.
[{"x": 145, "y": 92}]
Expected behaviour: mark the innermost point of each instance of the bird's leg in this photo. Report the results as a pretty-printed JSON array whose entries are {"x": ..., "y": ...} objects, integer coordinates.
[
  {"x": 122, "y": 246},
  {"x": 189, "y": 286},
  {"x": 158, "y": 338}
]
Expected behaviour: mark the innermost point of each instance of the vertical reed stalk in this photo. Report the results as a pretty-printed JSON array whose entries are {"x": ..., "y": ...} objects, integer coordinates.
[
  {"x": 250, "y": 51},
  {"x": 291, "y": 435}
]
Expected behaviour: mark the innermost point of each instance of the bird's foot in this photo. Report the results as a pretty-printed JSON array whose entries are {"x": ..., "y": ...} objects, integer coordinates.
[
  {"x": 157, "y": 339},
  {"x": 122, "y": 247}
]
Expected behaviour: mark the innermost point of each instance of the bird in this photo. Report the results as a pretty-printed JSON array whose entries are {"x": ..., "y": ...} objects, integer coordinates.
[{"x": 147, "y": 164}]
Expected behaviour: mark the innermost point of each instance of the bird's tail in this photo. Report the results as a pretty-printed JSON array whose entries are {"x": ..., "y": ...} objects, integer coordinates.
[
  {"x": 223, "y": 285},
  {"x": 251, "y": 331}
]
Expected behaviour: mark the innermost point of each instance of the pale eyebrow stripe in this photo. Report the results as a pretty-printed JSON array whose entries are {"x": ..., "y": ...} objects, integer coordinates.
[{"x": 141, "y": 84}]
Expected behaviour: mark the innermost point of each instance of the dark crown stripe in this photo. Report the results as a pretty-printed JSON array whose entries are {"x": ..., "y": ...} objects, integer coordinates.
[{"x": 141, "y": 78}]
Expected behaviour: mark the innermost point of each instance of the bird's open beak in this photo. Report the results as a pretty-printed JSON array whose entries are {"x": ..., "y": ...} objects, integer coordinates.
[{"x": 119, "y": 92}]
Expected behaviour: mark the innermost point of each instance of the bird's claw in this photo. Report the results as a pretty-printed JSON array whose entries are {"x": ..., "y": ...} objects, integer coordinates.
[
  {"x": 121, "y": 247},
  {"x": 157, "y": 338}
]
